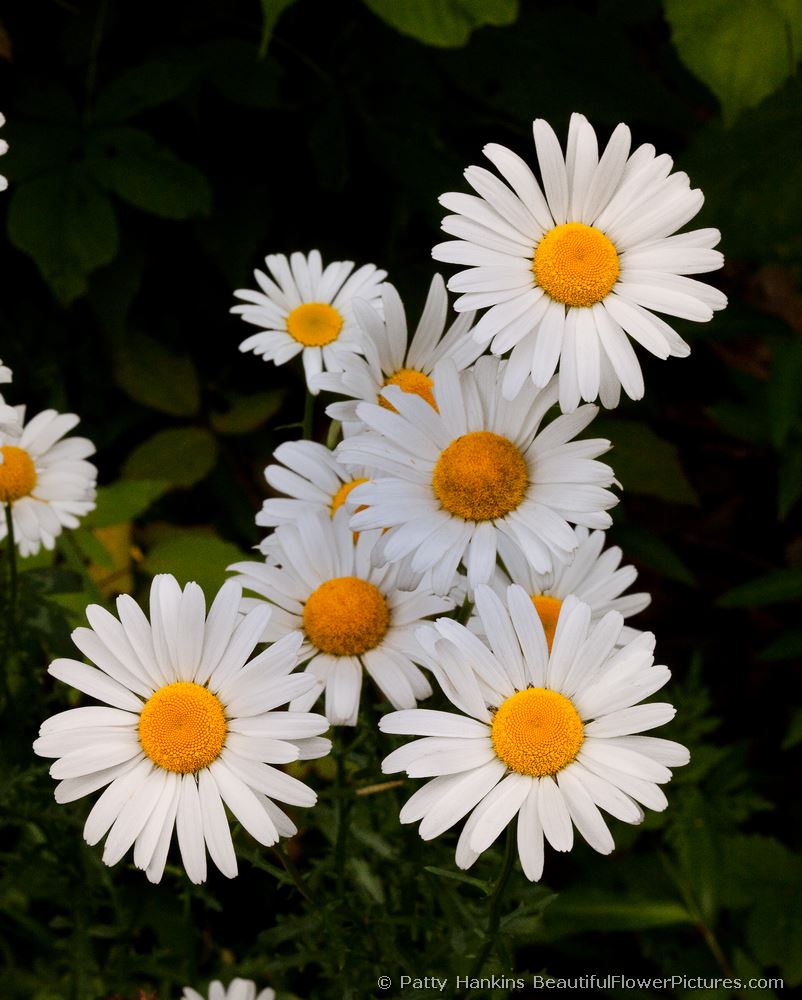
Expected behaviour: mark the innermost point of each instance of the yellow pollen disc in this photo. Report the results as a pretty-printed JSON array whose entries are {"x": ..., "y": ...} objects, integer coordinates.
[
  {"x": 576, "y": 264},
  {"x": 410, "y": 381},
  {"x": 548, "y": 609},
  {"x": 314, "y": 324},
  {"x": 480, "y": 476},
  {"x": 346, "y": 616},
  {"x": 341, "y": 495},
  {"x": 17, "y": 474},
  {"x": 182, "y": 727},
  {"x": 537, "y": 732}
]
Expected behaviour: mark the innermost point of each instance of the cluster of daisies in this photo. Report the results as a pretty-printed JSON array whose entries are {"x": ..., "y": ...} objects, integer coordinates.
[{"x": 453, "y": 537}]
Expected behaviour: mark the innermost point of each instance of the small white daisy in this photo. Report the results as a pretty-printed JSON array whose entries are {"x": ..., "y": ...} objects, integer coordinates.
[
  {"x": 238, "y": 989},
  {"x": 478, "y": 467},
  {"x": 192, "y": 725},
  {"x": 304, "y": 307},
  {"x": 551, "y": 738},
  {"x": 348, "y": 615},
  {"x": 44, "y": 477},
  {"x": 568, "y": 276},
  {"x": 312, "y": 479},
  {"x": 3, "y": 151},
  {"x": 389, "y": 360},
  {"x": 593, "y": 576}
]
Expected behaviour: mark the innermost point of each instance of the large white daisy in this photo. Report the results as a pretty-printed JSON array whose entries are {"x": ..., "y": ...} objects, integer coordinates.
[
  {"x": 312, "y": 479},
  {"x": 44, "y": 477},
  {"x": 347, "y": 614},
  {"x": 594, "y": 575},
  {"x": 388, "y": 357},
  {"x": 238, "y": 989},
  {"x": 304, "y": 307},
  {"x": 477, "y": 467},
  {"x": 187, "y": 724},
  {"x": 552, "y": 738},
  {"x": 569, "y": 277}
]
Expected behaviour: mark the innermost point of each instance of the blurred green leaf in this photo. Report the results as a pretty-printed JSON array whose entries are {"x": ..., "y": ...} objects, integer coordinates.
[
  {"x": 147, "y": 86},
  {"x": 794, "y": 735},
  {"x": 193, "y": 555},
  {"x": 774, "y": 588},
  {"x": 157, "y": 377},
  {"x": 123, "y": 501},
  {"x": 248, "y": 412},
  {"x": 443, "y": 23},
  {"x": 645, "y": 463},
  {"x": 787, "y": 647},
  {"x": 578, "y": 910},
  {"x": 789, "y": 479},
  {"x": 457, "y": 876},
  {"x": 92, "y": 548},
  {"x": 181, "y": 456},
  {"x": 743, "y": 50},
  {"x": 66, "y": 225},
  {"x": 271, "y": 12},
  {"x": 651, "y": 550},
  {"x": 784, "y": 397},
  {"x": 239, "y": 74},
  {"x": 149, "y": 176}
]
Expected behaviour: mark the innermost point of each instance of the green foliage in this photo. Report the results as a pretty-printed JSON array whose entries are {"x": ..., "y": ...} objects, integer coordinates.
[
  {"x": 773, "y": 588},
  {"x": 191, "y": 555},
  {"x": 444, "y": 23},
  {"x": 181, "y": 456},
  {"x": 123, "y": 501},
  {"x": 248, "y": 413},
  {"x": 157, "y": 377},
  {"x": 645, "y": 463}
]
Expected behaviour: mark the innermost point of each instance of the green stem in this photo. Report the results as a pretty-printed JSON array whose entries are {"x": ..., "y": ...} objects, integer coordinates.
[
  {"x": 75, "y": 561},
  {"x": 12, "y": 566},
  {"x": 343, "y": 810},
  {"x": 309, "y": 416},
  {"x": 495, "y": 906},
  {"x": 292, "y": 871}
]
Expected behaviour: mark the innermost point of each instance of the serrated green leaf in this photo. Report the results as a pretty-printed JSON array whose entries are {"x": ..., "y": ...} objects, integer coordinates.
[
  {"x": 149, "y": 176},
  {"x": 147, "y": 86},
  {"x": 443, "y": 23},
  {"x": 192, "y": 555},
  {"x": 457, "y": 876},
  {"x": 644, "y": 462},
  {"x": 124, "y": 501},
  {"x": 777, "y": 587},
  {"x": 67, "y": 225},
  {"x": 743, "y": 50},
  {"x": 787, "y": 647},
  {"x": 248, "y": 412},
  {"x": 181, "y": 456},
  {"x": 157, "y": 377}
]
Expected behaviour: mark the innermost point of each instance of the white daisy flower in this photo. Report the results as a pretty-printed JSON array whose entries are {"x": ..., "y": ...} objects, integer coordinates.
[
  {"x": 44, "y": 477},
  {"x": 3, "y": 151},
  {"x": 8, "y": 414},
  {"x": 477, "y": 468},
  {"x": 389, "y": 360},
  {"x": 593, "y": 576},
  {"x": 312, "y": 479},
  {"x": 239, "y": 989},
  {"x": 192, "y": 725},
  {"x": 304, "y": 307},
  {"x": 348, "y": 615},
  {"x": 551, "y": 738},
  {"x": 568, "y": 276}
]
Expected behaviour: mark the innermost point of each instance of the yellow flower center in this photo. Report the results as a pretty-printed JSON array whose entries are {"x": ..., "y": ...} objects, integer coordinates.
[
  {"x": 182, "y": 727},
  {"x": 314, "y": 324},
  {"x": 341, "y": 495},
  {"x": 480, "y": 476},
  {"x": 346, "y": 616},
  {"x": 576, "y": 264},
  {"x": 537, "y": 732},
  {"x": 17, "y": 474},
  {"x": 548, "y": 609},
  {"x": 412, "y": 381}
]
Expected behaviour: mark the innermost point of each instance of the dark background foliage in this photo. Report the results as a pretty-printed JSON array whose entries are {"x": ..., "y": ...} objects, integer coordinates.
[{"x": 159, "y": 150}]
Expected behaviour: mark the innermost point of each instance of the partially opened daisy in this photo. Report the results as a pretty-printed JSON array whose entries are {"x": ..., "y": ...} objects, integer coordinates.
[
  {"x": 188, "y": 723},
  {"x": 389, "y": 358},
  {"x": 477, "y": 468},
  {"x": 348, "y": 615},
  {"x": 304, "y": 307},
  {"x": 571, "y": 276},
  {"x": 312, "y": 479},
  {"x": 594, "y": 575},
  {"x": 238, "y": 989},
  {"x": 551, "y": 738},
  {"x": 45, "y": 478}
]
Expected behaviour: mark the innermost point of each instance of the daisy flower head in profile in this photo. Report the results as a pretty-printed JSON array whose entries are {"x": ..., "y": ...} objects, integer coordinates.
[
  {"x": 188, "y": 723},
  {"x": 549, "y": 737},
  {"x": 389, "y": 359},
  {"x": 572, "y": 270},
  {"x": 3, "y": 151},
  {"x": 312, "y": 479},
  {"x": 238, "y": 989},
  {"x": 594, "y": 575},
  {"x": 302, "y": 307},
  {"x": 44, "y": 477},
  {"x": 348, "y": 615},
  {"x": 476, "y": 468}
]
